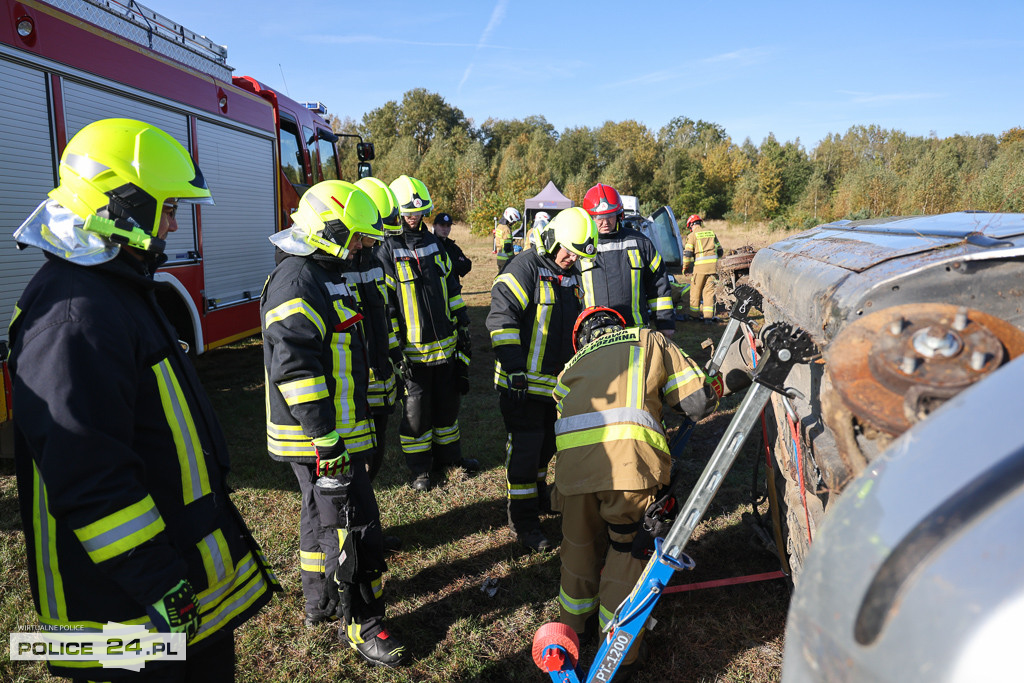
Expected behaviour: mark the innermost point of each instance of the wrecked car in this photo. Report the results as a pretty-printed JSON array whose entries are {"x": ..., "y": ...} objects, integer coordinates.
[{"x": 897, "y": 451}]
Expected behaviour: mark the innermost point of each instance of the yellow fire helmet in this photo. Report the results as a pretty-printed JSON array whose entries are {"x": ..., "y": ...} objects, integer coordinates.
[
  {"x": 412, "y": 195},
  {"x": 116, "y": 175},
  {"x": 573, "y": 229},
  {"x": 329, "y": 214},
  {"x": 385, "y": 200}
]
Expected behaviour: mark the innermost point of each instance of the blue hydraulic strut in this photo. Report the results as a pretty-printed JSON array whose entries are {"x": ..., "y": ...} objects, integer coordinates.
[{"x": 784, "y": 347}]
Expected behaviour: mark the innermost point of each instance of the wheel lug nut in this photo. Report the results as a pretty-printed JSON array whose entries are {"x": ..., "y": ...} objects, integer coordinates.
[
  {"x": 909, "y": 364},
  {"x": 960, "y": 320}
]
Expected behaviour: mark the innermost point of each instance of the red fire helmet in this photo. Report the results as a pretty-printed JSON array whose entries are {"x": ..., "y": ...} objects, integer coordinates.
[{"x": 602, "y": 200}]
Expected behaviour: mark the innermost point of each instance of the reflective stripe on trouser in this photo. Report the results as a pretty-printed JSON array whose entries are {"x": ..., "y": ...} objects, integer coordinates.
[
  {"x": 593, "y": 573},
  {"x": 358, "y": 563},
  {"x": 530, "y": 447},
  {"x": 315, "y": 542},
  {"x": 429, "y": 432},
  {"x": 703, "y": 287}
]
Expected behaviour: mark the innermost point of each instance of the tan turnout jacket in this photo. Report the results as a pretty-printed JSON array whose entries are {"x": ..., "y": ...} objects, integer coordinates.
[{"x": 609, "y": 433}]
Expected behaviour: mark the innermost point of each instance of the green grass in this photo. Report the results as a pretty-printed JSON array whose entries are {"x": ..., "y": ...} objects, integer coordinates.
[{"x": 456, "y": 537}]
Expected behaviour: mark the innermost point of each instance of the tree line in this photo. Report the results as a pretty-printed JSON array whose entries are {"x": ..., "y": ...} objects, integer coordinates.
[{"x": 692, "y": 165}]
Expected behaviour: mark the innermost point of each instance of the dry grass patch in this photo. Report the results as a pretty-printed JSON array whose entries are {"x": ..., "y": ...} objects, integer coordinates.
[{"x": 456, "y": 538}]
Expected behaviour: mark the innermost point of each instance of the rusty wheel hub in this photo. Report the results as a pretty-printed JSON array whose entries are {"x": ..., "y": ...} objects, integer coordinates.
[{"x": 894, "y": 367}]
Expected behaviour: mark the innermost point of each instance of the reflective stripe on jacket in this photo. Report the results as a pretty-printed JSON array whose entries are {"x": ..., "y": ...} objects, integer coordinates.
[
  {"x": 702, "y": 250},
  {"x": 121, "y": 461},
  {"x": 366, "y": 273},
  {"x": 609, "y": 433},
  {"x": 424, "y": 296},
  {"x": 534, "y": 305},
  {"x": 314, "y": 352},
  {"x": 628, "y": 275}
]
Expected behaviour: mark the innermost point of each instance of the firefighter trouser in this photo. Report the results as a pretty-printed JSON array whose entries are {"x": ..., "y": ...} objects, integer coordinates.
[
  {"x": 430, "y": 424},
  {"x": 346, "y": 575},
  {"x": 376, "y": 458},
  {"x": 529, "y": 449},
  {"x": 703, "y": 288},
  {"x": 596, "y": 577}
]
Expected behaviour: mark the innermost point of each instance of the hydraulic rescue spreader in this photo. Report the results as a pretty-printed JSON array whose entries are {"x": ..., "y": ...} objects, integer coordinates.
[{"x": 555, "y": 645}]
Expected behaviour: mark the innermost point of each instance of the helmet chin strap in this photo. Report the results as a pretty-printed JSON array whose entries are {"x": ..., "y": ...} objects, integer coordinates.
[
  {"x": 118, "y": 220},
  {"x": 123, "y": 231}
]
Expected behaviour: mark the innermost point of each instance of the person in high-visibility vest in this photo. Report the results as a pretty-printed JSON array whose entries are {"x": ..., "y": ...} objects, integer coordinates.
[
  {"x": 700, "y": 257},
  {"x": 532, "y": 238},
  {"x": 121, "y": 462},
  {"x": 503, "y": 242},
  {"x": 318, "y": 419},
  {"x": 534, "y": 304},
  {"x": 613, "y": 456}
]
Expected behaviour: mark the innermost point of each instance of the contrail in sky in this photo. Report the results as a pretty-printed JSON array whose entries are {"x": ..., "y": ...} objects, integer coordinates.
[{"x": 496, "y": 16}]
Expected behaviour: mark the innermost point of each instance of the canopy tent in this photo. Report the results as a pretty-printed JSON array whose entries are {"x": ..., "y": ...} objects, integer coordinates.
[{"x": 549, "y": 199}]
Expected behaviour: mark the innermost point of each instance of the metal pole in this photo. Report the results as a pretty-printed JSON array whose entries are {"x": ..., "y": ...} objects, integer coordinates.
[{"x": 718, "y": 466}]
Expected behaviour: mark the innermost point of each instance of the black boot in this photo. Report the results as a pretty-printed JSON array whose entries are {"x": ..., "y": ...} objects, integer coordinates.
[
  {"x": 382, "y": 650},
  {"x": 535, "y": 541},
  {"x": 470, "y": 465}
]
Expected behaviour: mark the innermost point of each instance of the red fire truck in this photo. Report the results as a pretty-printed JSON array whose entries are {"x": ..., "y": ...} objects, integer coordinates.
[{"x": 67, "y": 63}]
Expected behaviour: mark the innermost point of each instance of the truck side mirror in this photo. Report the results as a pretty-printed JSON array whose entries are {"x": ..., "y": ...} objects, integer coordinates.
[
  {"x": 364, "y": 150},
  {"x": 364, "y": 170}
]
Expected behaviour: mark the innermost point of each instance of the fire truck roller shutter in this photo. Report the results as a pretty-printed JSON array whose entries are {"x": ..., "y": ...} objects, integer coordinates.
[
  {"x": 84, "y": 104},
  {"x": 26, "y": 174},
  {"x": 241, "y": 174}
]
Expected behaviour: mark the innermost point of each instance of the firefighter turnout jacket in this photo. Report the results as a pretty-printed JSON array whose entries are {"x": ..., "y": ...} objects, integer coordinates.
[
  {"x": 366, "y": 275},
  {"x": 121, "y": 461},
  {"x": 701, "y": 251},
  {"x": 628, "y": 275},
  {"x": 424, "y": 296},
  {"x": 609, "y": 432},
  {"x": 503, "y": 243},
  {"x": 534, "y": 305},
  {"x": 313, "y": 351},
  {"x": 460, "y": 262}
]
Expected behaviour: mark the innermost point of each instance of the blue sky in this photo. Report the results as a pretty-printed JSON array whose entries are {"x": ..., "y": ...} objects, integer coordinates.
[{"x": 795, "y": 69}]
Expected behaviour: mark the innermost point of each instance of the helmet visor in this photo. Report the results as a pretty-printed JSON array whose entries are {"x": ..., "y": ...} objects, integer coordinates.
[{"x": 208, "y": 200}]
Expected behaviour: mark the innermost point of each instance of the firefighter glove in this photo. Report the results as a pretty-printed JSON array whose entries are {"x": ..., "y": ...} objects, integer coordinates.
[
  {"x": 177, "y": 611},
  {"x": 404, "y": 369},
  {"x": 331, "y": 457},
  {"x": 462, "y": 373},
  {"x": 716, "y": 382},
  {"x": 464, "y": 344},
  {"x": 518, "y": 387}
]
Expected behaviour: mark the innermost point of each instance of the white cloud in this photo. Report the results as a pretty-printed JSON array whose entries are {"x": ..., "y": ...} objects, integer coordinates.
[{"x": 744, "y": 57}]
